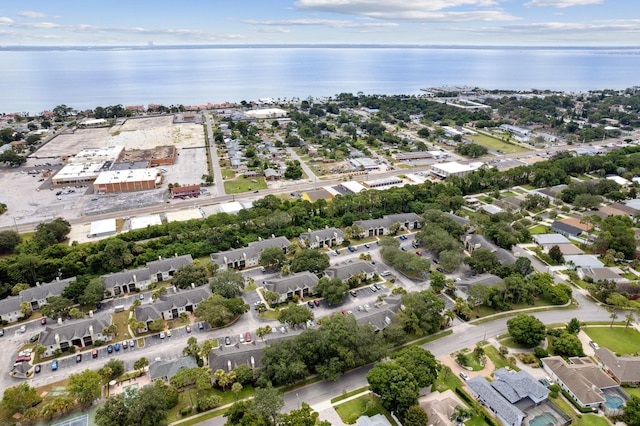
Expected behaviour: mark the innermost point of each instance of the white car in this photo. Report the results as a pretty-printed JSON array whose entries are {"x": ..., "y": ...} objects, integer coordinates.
[{"x": 162, "y": 335}]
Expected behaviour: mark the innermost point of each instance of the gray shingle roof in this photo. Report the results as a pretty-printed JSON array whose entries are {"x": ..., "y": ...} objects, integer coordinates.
[
  {"x": 252, "y": 251},
  {"x": 228, "y": 358},
  {"x": 171, "y": 300},
  {"x": 387, "y": 221},
  {"x": 486, "y": 393},
  {"x": 322, "y": 234},
  {"x": 517, "y": 385},
  {"x": 126, "y": 277},
  {"x": 291, "y": 283},
  {"x": 562, "y": 227},
  {"x": 70, "y": 330},
  {"x": 347, "y": 270},
  {"x": 168, "y": 369},
  {"x": 625, "y": 368},
  {"x": 54, "y": 288},
  {"x": 169, "y": 264}
]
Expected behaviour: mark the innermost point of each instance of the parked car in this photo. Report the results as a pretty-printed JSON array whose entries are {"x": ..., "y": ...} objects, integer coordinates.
[
  {"x": 116, "y": 347},
  {"x": 1, "y": 332},
  {"x": 188, "y": 328},
  {"x": 125, "y": 344},
  {"x": 241, "y": 338},
  {"x": 43, "y": 321},
  {"x": 385, "y": 273},
  {"x": 38, "y": 368},
  {"x": 373, "y": 288},
  {"x": 247, "y": 336},
  {"x": 227, "y": 340},
  {"x": 22, "y": 329},
  {"x": 132, "y": 343},
  {"x": 34, "y": 338},
  {"x": 168, "y": 333},
  {"x": 310, "y": 304},
  {"x": 110, "y": 348},
  {"x": 464, "y": 376},
  {"x": 351, "y": 249},
  {"x": 54, "y": 365},
  {"x": 377, "y": 286},
  {"x": 402, "y": 237},
  {"x": 594, "y": 345},
  {"x": 141, "y": 296},
  {"x": 316, "y": 302},
  {"x": 79, "y": 358},
  {"x": 94, "y": 353},
  {"x": 353, "y": 293},
  {"x": 201, "y": 325},
  {"x": 367, "y": 246},
  {"x": 162, "y": 335}
]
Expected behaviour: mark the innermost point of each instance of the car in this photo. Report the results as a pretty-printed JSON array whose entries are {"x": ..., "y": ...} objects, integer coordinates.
[
  {"x": 22, "y": 359},
  {"x": 141, "y": 296},
  {"x": 43, "y": 321},
  {"x": 132, "y": 343},
  {"x": 316, "y": 302},
  {"x": 464, "y": 376},
  {"x": 34, "y": 338},
  {"x": 351, "y": 249},
  {"x": 188, "y": 328},
  {"x": 594, "y": 345},
  {"x": 402, "y": 237},
  {"x": 458, "y": 279},
  {"x": 54, "y": 365},
  {"x": 1, "y": 332},
  {"x": 247, "y": 336},
  {"x": 79, "y": 358},
  {"x": 385, "y": 273},
  {"x": 344, "y": 312},
  {"x": 377, "y": 286},
  {"x": 366, "y": 307},
  {"x": 116, "y": 347},
  {"x": 367, "y": 246},
  {"x": 22, "y": 329},
  {"x": 94, "y": 353},
  {"x": 256, "y": 191},
  {"x": 403, "y": 248},
  {"x": 227, "y": 340},
  {"x": 37, "y": 368},
  {"x": 419, "y": 253},
  {"x": 168, "y": 333},
  {"x": 337, "y": 251},
  {"x": 360, "y": 308},
  {"x": 241, "y": 338},
  {"x": 353, "y": 293},
  {"x": 310, "y": 304},
  {"x": 162, "y": 335},
  {"x": 110, "y": 348},
  {"x": 201, "y": 325},
  {"x": 125, "y": 344},
  {"x": 373, "y": 289},
  {"x": 441, "y": 270}
]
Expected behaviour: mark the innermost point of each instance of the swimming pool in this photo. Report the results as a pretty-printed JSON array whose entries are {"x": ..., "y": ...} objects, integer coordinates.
[
  {"x": 612, "y": 401},
  {"x": 544, "y": 419}
]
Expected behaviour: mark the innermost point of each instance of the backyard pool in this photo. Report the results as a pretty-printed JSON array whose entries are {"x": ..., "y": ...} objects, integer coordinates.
[
  {"x": 613, "y": 401},
  {"x": 544, "y": 419}
]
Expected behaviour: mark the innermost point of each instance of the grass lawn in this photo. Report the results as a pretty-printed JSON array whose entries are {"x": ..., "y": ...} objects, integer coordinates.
[
  {"x": 584, "y": 419},
  {"x": 539, "y": 229},
  {"x": 121, "y": 319},
  {"x": 228, "y": 174},
  {"x": 509, "y": 194},
  {"x": 497, "y": 358},
  {"x": 617, "y": 339},
  {"x": 497, "y": 144},
  {"x": 510, "y": 343},
  {"x": 237, "y": 186},
  {"x": 633, "y": 391},
  {"x": 225, "y": 398},
  {"x": 365, "y": 405}
]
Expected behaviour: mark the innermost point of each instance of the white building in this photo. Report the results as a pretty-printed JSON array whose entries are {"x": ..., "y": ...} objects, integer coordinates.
[{"x": 453, "y": 168}]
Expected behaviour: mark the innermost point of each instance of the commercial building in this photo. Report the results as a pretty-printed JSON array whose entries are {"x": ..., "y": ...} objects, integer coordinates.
[
  {"x": 383, "y": 183},
  {"x": 97, "y": 155},
  {"x": 453, "y": 168},
  {"x": 187, "y": 191},
  {"x": 102, "y": 228},
  {"x": 74, "y": 173},
  {"x": 164, "y": 155},
  {"x": 127, "y": 180}
]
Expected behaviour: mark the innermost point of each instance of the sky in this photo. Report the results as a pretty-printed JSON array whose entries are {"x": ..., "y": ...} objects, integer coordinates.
[{"x": 410, "y": 22}]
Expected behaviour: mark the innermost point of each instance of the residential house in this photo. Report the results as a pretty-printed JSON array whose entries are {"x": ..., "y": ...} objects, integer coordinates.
[
  {"x": 625, "y": 369},
  {"x": 566, "y": 229},
  {"x": 301, "y": 284},
  {"x": 36, "y": 296},
  {"x": 247, "y": 257},
  {"x": 171, "y": 305},
  {"x": 576, "y": 222},
  {"x": 347, "y": 270},
  {"x": 376, "y": 420},
  {"x": 79, "y": 333},
  {"x": 228, "y": 358},
  {"x": 163, "y": 269},
  {"x": 440, "y": 407},
  {"x": 509, "y": 395},
  {"x": 601, "y": 274},
  {"x": 490, "y": 209},
  {"x": 127, "y": 281},
  {"x": 585, "y": 382},
  {"x": 546, "y": 241},
  {"x": 327, "y": 237},
  {"x": 271, "y": 174},
  {"x": 380, "y": 227},
  {"x": 582, "y": 261},
  {"x": 166, "y": 369}
]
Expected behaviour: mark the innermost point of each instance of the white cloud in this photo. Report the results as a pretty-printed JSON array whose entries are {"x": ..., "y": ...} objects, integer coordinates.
[
  {"x": 31, "y": 14},
  {"x": 5, "y": 21},
  {"x": 332, "y": 23},
  {"x": 546, "y": 28},
  {"x": 562, "y": 3},
  {"x": 273, "y": 30}
]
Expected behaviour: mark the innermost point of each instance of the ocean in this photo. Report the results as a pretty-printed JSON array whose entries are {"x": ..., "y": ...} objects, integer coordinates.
[{"x": 37, "y": 80}]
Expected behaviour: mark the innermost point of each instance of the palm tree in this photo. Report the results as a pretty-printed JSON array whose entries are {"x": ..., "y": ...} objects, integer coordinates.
[
  {"x": 630, "y": 317},
  {"x": 613, "y": 317},
  {"x": 479, "y": 353}
]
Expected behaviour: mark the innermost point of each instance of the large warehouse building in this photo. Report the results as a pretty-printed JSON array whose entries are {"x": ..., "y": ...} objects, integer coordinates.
[{"x": 127, "y": 180}]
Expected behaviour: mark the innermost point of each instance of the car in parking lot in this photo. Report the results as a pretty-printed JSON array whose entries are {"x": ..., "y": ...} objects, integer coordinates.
[
  {"x": 373, "y": 288},
  {"x": 1, "y": 332},
  {"x": 43, "y": 321},
  {"x": 385, "y": 273},
  {"x": 227, "y": 340},
  {"x": 79, "y": 358},
  {"x": 125, "y": 344},
  {"x": 94, "y": 353},
  {"x": 402, "y": 237},
  {"x": 132, "y": 343},
  {"x": 34, "y": 338},
  {"x": 353, "y": 293},
  {"x": 310, "y": 304},
  {"x": 441, "y": 270},
  {"x": 247, "y": 336},
  {"x": 168, "y": 333},
  {"x": 141, "y": 296},
  {"x": 22, "y": 329},
  {"x": 316, "y": 302},
  {"x": 188, "y": 328},
  {"x": 110, "y": 348},
  {"x": 367, "y": 246},
  {"x": 116, "y": 347},
  {"x": 241, "y": 338},
  {"x": 54, "y": 365},
  {"x": 201, "y": 325},
  {"x": 377, "y": 286},
  {"x": 464, "y": 376},
  {"x": 162, "y": 335},
  {"x": 38, "y": 368}
]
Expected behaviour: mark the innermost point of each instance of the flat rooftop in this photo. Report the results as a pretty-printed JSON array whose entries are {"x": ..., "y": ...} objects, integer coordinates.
[{"x": 121, "y": 176}]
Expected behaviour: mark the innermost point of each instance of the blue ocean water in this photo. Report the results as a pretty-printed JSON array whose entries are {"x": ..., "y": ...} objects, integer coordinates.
[{"x": 34, "y": 81}]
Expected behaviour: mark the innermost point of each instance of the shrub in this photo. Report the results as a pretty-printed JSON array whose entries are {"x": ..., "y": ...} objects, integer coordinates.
[
  {"x": 527, "y": 358},
  {"x": 208, "y": 403},
  {"x": 503, "y": 350},
  {"x": 540, "y": 352},
  {"x": 185, "y": 411}
]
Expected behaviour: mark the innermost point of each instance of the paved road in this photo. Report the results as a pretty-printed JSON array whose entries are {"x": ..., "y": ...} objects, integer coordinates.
[
  {"x": 304, "y": 166},
  {"x": 217, "y": 172}
]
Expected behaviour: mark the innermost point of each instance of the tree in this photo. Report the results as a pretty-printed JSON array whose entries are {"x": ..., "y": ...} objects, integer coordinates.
[
  {"x": 438, "y": 281},
  {"x": 295, "y": 315},
  {"x": 309, "y": 260},
  {"x": 263, "y": 331},
  {"x": 556, "y": 254},
  {"x": 224, "y": 379},
  {"x": 272, "y": 258},
  {"x": 190, "y": 274},
  {"x": 218, "y": 311},
  {"x": 18, "y": 399},
  {"x": 25, "y": 309},
  {"x": 227, "y": 283},
  {"x": 49, "y": 233},
  {"x": 192, "y": 347},
  {"x": 236, "y": 388},
  {"x": 395, "y": 384},
  {"x": 303, "y": 416},
  {"x": 422, "y": 313},
  {"x": 8, "y": 241},
  {"x": 57, "y": 307},
  {"x": 567, "y": 345},
  {"x": 148, "y": 406},
  {"x": 267, "y": 403},
  {"x": 113, "y": 369},
  {"x": 632, "y": 411},
  {"x": 526, "y": 329},
  {"x": 415, "y": 416},
  {"x": 85, "y": 387},
  {"x": 141, "y": 364},
  {"x": 573, "y": 326},
  {"x": 116, "y": 254},
  {"x": 93, "y": 293},
  {"x": 294, "y": 170},
  {"x": 332, "y": 289},
  {"x": 483, "y": 260},
  {"x": 422, "y": 364}
]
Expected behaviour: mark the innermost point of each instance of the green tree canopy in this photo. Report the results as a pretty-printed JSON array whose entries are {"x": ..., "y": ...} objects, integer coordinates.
[
  {"x": 309, "y": 260},
  {"x": 227, "y": 284},
  {"x": 526, "y": 329},
  {"x": 85, "y": 386},
  {"x": 190, "y": 274}
]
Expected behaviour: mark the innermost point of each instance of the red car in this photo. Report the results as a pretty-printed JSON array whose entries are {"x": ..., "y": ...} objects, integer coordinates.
[
  {"x": 247, "y": 337},
  {"x": 419, "y": 253},
  {"x": 43, "y": 321},
  {"x": 316, "y": 302}
]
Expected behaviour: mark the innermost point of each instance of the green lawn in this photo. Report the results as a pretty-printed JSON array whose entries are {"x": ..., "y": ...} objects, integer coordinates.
[
  {"x": 240, "y": 185},
  {"x": 582, "y": 419},
  {"x": 499, "y": 361},
  {"x": 368, "y": 405},
  {"x": 497, "y": 144},
  {"x": 539, "y": 229},
  {"x": 633, "y": 392},
  {"x": 225, "y": 398},
  {"x": 228, "y": 174},
  {"x": 510, "y": 343},
  {"x": 617, "y": 339}
]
